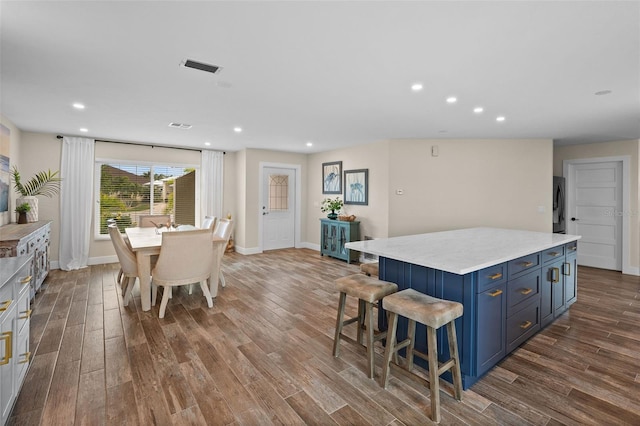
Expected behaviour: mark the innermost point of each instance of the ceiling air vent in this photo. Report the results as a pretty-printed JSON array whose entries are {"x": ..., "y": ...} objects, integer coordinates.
[
  {"x": 213, "y": 69},
  {"x": 180, "y": 126}
]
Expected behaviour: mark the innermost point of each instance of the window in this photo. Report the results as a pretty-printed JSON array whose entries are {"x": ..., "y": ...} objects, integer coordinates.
[
  {"x": 129, "y": 190},
  {"x": 278, "y": 192}
]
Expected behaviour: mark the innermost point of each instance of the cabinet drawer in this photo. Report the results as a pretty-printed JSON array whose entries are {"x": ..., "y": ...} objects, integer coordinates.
[
  {"x": 23, "y": 313},
  {"x": 7, "y": 300},
  {"x": 493, "y": 275},
  {"x": 571, "y": 249},
  {"x": 523, "y": 289},
  {"x": 525, "y": 263},
  {"x": 522, "y": 325},
  {"x": 552, "y": 254}
]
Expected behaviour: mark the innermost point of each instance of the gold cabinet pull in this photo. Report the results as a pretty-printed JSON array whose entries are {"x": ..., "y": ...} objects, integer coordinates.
[
  {"x": 25, "y": 279},
  {"x": 555, "y": 275},
  {"x": 496, "y": 276},
  {"x": 27, "y": 358},
  {"x": 8, "y": 350},
  {"x": 554, "y": 254},
  {"x": 527, "y": 264},
  {"x": 526, "y": 325},
  {"x": 566, "y": 268},
  {"x": 27, "y": 314},
  {"x": 526, "y": 291},
  {"x": 5, "y": 305},
  {"x": 495, "y": 293}
]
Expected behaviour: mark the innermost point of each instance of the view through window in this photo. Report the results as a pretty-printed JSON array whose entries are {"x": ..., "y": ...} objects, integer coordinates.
[{"x": 130, "y": 190}]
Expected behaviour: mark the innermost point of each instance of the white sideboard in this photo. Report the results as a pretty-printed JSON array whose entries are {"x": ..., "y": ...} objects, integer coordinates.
[
  {"x": 15, "y": 314},
  {"x": 30, "y": 239}
]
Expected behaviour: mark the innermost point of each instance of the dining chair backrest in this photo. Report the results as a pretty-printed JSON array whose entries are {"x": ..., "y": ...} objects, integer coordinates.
[
  {"x": 209, "y": 222},
  {"x": 223, "y": 229},
  {"x": 126, "y": 257},
  {"x": 185, "y": 257},
  {"x": 153, "y": 220}
]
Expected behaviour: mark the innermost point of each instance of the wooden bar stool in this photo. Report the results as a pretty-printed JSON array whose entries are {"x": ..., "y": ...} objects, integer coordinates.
[
  {"x": 370, "y": 269},
  {"x": 369, "y": 291},
  {"x": 433, "y": 313}
]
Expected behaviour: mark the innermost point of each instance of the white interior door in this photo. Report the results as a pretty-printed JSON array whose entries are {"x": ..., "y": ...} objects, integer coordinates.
[
  {"x": 595, "y": 213},
  {"x": 278, "y": 208}
]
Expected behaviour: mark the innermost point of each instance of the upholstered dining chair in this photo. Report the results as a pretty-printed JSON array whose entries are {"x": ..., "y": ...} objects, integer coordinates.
[
  {"x": 209, "y": 222},
  {"x": 223, "y": 230},
  {"x": 153, "y": 220},
  {"x": 128, "y": 264},
  {"x": 185, "y": 257}
]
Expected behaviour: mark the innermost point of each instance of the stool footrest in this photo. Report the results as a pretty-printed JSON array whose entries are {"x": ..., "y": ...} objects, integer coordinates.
[
  {"x": 350, "y": 321},
  {"x": 445, "y": 366}
]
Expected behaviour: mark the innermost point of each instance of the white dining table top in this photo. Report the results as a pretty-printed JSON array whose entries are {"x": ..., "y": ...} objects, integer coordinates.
[{"x": 150, "y": 238}]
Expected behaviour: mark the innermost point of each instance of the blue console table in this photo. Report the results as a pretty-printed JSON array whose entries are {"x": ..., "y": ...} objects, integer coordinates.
[{"x": 511, "y": 284}]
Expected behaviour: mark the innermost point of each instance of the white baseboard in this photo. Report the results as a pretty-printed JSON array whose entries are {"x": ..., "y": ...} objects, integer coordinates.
[
  {"x": 310, "y": 246},
  {"x": 631, "y": 270},
  {"x": 248, "y": 251}
]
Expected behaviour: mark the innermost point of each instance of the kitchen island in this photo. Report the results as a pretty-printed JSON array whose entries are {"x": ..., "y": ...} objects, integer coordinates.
[{"x": 510, "y": 282}]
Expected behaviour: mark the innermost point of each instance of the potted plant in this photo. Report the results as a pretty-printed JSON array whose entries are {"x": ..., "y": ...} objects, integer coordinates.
[
  {"x": 332, "y": 205},
  {"x": 42, "y": 183},
  {"x": 22, "y": 211}
]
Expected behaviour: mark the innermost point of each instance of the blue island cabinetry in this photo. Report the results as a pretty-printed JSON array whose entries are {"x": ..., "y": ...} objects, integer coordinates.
[{"x": 504, "y": 304}]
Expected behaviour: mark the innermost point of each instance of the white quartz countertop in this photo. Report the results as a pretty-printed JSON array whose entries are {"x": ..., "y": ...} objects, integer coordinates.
[{"x": 462, "y": 251}]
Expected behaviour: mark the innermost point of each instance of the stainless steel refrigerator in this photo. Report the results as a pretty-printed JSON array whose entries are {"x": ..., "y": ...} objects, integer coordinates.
[{"x": 559, "y": 207}]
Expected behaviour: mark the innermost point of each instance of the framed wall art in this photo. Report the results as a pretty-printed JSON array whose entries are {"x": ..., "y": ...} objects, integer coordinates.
[
  {"x": 356, "y": 187},
  {"x": 332, "y": 177}
]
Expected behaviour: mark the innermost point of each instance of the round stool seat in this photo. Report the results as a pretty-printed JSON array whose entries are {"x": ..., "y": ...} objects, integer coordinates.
[
  {"x": 370, "y": 269},
  {"x": 365, "y": 288},
  {"x": 422, "y": 308}
]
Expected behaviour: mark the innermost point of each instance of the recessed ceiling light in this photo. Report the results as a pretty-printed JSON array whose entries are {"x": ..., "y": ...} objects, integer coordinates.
[
  {"x": 478, "y": 110},
  {"x": 84, "y": 130},
  {"x": 180, "y": 126},
  {"x": 207, "y": 143},
  {"x": 452, "y": 100},
  {"x": 237, "y": 129},
  {"x": 416, "y": 87},
  {"x": 78, "y": 106},
  {"x": 603, "y": 92},
  {"x": 309, "y": 143},
  {"x": 500, "y": 118}
]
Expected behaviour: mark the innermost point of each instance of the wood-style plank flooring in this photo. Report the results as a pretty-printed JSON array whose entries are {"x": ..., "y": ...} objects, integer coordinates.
[{"x": 262, "y": 355}]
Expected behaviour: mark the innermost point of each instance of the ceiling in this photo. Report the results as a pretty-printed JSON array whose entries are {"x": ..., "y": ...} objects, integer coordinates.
[{"x": 331, "y": 73}]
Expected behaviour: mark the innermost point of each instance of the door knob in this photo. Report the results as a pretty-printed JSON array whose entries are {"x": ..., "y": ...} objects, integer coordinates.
[
  {"x": 573, "y": 219},
  {"x": 264, "y": 213}
]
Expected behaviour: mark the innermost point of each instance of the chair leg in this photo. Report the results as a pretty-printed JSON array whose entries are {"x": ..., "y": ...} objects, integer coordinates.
[
  {"x": 336, "y": 338},
  {"x": 205, "y": 291},
  {"x": 154, "y": 294},
  {"x": 453, "y": 351},
  {"x": 411, "y": 336},
  {"x": 191, "y": 289},
  {"x": 389, "y": 349},
  {"x": 434, "y": 377},
  {"x": 128, "y": 295},
  {"x": 361, "y": 318},
  {"x": 165, "y": 300},
  {"x": 370, "y": 336},
  {"x": 221, "y": 277}
]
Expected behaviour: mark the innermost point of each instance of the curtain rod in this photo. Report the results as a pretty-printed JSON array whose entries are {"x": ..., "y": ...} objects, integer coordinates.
[{"x": 142, "y": 144}]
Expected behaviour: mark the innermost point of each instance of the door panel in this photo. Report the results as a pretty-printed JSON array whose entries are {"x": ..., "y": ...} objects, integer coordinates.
[
  {"x": 278, "y": 208},
  {"x": 595, "y": 203}
]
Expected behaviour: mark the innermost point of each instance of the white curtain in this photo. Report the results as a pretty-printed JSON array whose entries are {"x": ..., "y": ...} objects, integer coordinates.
[
  {"x": 212, "y": 170},
  {"x": 76, "y": 202}
]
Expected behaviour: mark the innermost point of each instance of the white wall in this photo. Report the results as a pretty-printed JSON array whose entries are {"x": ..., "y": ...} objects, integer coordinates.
[
  {"x": 15, "y": 137},
  {"x": 495, "y": 183},
  {"x": 374, "y": 217}
]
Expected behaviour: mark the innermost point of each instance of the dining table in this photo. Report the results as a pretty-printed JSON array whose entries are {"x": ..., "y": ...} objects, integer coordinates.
[{"x": 146, "y": 242}]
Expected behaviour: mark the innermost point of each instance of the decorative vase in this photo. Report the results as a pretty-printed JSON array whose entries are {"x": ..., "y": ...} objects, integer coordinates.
[
  {"x": 22, "y": 217},
  {"x": 32, "y": 215},
  {"x": 333, "y": 215}
]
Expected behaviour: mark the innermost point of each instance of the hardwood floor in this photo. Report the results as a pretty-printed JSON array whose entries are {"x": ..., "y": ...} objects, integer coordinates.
[{"x": 262, "y": 355}]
